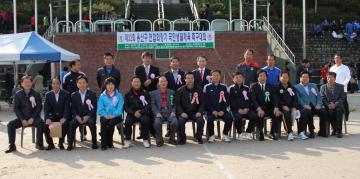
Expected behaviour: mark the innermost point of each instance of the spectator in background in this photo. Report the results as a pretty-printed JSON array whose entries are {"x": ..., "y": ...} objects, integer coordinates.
[
  {"x": 324, "y": 70},
  {"x": 353, "y": 82},
  {"x": 349, "y": 27},
  {"x": 291, "y": 68},
  {"x": 358, "y": 75},
  {"x": 209, "y": 13},
  {"x": 38, "y": 83},
  {"x": 333, "y": 26},
  {"x": 272, "y": 72},
  {"x": 325, "y": 25},
  {"x": 318, "y": 31},
  {"x": 2, "y": 23},
  {"x": 341, "y": 26},
  {"x": 9, "y": 84},
  {"x": 33, "y": 23},
  {"x": 248, "y": 68},
  {"x": 46, "y": 22},
  {"x": 64, "y": 71}
]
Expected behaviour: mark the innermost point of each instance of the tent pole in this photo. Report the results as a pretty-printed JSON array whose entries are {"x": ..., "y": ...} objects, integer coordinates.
[
  {"x": 36, "y": 16},
  {"x": 14, "y": 15}
]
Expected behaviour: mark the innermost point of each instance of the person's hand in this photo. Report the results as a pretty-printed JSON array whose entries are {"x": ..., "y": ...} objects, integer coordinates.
[
  {"x": 198, "y": 114},
  {"x": 246, "y": 110},
  {"x": 241, "y": 111},
  {"x": 147, "y": 82},
  {"x": 62, "y": 120},
  {"x": 332, "y": 105},
  {"x": 293, "y": 109},
  {"x": 260, "y": 112},
  {"x": 24, "y": 123},
  {"x": 30, "y": 121},
  {"x": 306, "y": 106},
  {"x": 79, "y": 120},
  {"x": 172, "y": 114},
  {"x": 285, "y": 108},
  {"x": 318, "y": 107},
  {"x": 277, "y": 112},
  {"x": 137, "y": 114},
  {"x": 215, "y": 113},
  {"x": 110, "y": 117},
  {"x": 184, "y": 115},
  {"x": 221, "y": 113},
  {"x": 158, "y": 115},
  {"x": 48, "y": 121},
  {"x": 85, "y": 119}
]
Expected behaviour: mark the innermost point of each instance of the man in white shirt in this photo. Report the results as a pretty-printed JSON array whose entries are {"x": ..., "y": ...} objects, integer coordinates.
[{"x": 342, "y": 77}]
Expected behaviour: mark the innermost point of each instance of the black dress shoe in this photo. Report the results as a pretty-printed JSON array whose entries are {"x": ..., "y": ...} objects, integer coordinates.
[
  {"x": 339, "y": 135},
  {"x": 50, "y": 147},
  {"x": 110, "y": 146},
  {"x": 70, "y": 148},
  {"x": 11, "y": 148},
  {"x": 103, "y": 148},
  {"x": 261, "y": 137},
  {"x": 181, "y": 142},
  {"x": 138, "y": 138},
  {"x": 39, "y": 147},
  {"x": 172, "y": 141},
  {"x": 159, "y": 144},
  {"x": 275, "y": 136},
  {"x": 94, "y": 146},
  {"x": 312, "y": 135},
  {"x": 200, "y": 141},
  {"x": 333, "y": 133},
  {"x": 167, "y": 134},
  {"x": 61, "y": 146}
]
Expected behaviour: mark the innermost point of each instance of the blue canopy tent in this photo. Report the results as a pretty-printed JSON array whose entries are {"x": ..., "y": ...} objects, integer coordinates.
[{"x": 30, "y": 48}]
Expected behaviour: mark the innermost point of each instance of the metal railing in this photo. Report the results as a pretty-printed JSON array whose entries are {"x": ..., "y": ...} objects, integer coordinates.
[
  {"x": 185, "y": 24},
  {"x": 49, "y": 33},
  {"x": 194, "y": 9},
  {"x": 279, "y": 40},
  {"x": 162, "y": 24},
  {"x": 103, "y": 25},
  {"x": 220, "y": 25},
  {"x": 121, "y": 25},
  {"x": 200, "y": 25},
  {"x": 143, "y": 20},
  {"x": 83, "y": 26},
  {"x": 66, "y": 26},
  {"x": 239, "y": 25},
  {"x": 257, "y": 25}
]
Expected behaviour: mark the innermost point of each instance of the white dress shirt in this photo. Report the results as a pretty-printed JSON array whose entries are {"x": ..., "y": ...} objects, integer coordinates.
[
  {"x": 342, "y": 75},
  {"x": 82, "y": 95}
]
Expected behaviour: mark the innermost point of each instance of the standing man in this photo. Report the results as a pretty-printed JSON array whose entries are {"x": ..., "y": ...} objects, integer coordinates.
[
  {"x": 56, "y": 109},
  {"x": 266, "y": 103},
  {"x": 148, "y": 73},
  {"x": 175, "y": 76},
  {"x": 83, "y": 108},
  {"x": 69, "y": 84},
  {"x": 333, "y": 97},
  {"x": 310, "y": 103},
  {"x": 190, "y": 105},
  {"x": 305, "y": 66},
  {"x": 343, "y": 77},
  {"x": 108, "y": 70},
  {"x": 202, "y": 73},
  {"x": 248, "y": 68},
  {"x": 217, "y": 102},
  {"x": 27, "y": 107},
  {"x": 162, "y": 105},
  {"x": 272, "y": 72}
]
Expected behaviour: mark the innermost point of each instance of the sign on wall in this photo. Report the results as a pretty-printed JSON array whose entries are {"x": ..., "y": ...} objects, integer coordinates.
[{"x": 165, "y": 40}]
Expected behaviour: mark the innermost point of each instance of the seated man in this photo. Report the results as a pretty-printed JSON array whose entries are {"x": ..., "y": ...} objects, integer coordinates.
[
  {"x": 217, "y": 101},
  {"x": 190, "y": 105},
  {"x": 287, "y": 103},
  {"x": 83, "y": 108},
  {"x": 310, "y": 103},
  {"x": 241, "y": 107},
  {"x": 266, "y": 102},
  {"x": 333, "y": 98},
  {"x": 56, "y": 109},
  {"x": 27, "y": 107},
  {"x": 137, "y": 107},
  {"x": 162, "y": 105}
]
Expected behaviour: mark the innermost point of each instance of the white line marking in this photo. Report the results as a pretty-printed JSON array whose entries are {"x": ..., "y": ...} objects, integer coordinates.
[{"x": 219, "y": 164}]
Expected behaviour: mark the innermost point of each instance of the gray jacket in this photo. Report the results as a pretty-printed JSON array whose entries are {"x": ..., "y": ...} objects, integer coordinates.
[
  {"x": 337, "y": 96},
  {"x": 156, "y": 101}
]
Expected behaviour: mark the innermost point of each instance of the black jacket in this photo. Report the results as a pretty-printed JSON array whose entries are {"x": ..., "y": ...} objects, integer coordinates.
[
  {"x": 23, "y": 107},
  {"x": 237, "y": 98},
  {"x": 102, "y": 75},
  {"x": 141, "y": 73},
  {"x": 132, "y": 102},
  {"x": 69, "y": 81},
  {"x": 258, "y": 97},
  {"x": 212, "y": 96},
  {"x": 56, "y": 110},
  {"x": 285, "y": 99},
  {"x": 82, "y": 109},
  {"x": 201, "y": 83},
  {"x": 172, "y": 82},
  {"x": 183, "y": 99}
]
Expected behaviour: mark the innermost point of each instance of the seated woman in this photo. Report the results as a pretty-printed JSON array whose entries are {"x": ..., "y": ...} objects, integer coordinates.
[{"x": 110, "y": 107}]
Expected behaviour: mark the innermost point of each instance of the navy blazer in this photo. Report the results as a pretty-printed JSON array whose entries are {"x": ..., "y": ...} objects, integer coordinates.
[
  {"x": 141, "y": 73},
  {"x": 172, "y": 82},
  {"x": 22, "y": 105},
  {"x": 56, "y": 110},
  {"x": 82, "y": 109}
]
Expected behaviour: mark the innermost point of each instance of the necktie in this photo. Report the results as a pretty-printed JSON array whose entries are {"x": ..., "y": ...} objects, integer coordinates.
[
  {"x": 147, "y": 71},
  {"x": 201, "y": 74},
  {"x": 263, "y": 87}
]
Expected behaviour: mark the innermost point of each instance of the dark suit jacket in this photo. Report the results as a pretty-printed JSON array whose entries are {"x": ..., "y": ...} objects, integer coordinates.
[
  {"x": 172, "y": 82},
  {"x": 81, "y": 109},
  {"x": 337, "y": 96},
  {"x": 56, "y": 110},
  {"x": 258, "y": 97},
  {"x": 23, "y": 108},
  {"x": 102, "y": 75},
  {"x": 285, "y": 99},
  {"x": 201, "y": 83},
  {"x": 141, "y": 73}
]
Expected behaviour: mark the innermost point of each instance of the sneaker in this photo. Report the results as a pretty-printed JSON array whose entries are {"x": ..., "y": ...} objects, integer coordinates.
[
  {"x": 211, "y": 139},
  {"x": 290, "y": 136},
  {"x": 127, "y": 144},
  {"x": 240, "y": 136},
  {"x": 226, "y": 138},
  {"x": 249, "y": 135},
  {"x": 146, "y": 144},
  {"x": 303, "y": 136}
]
